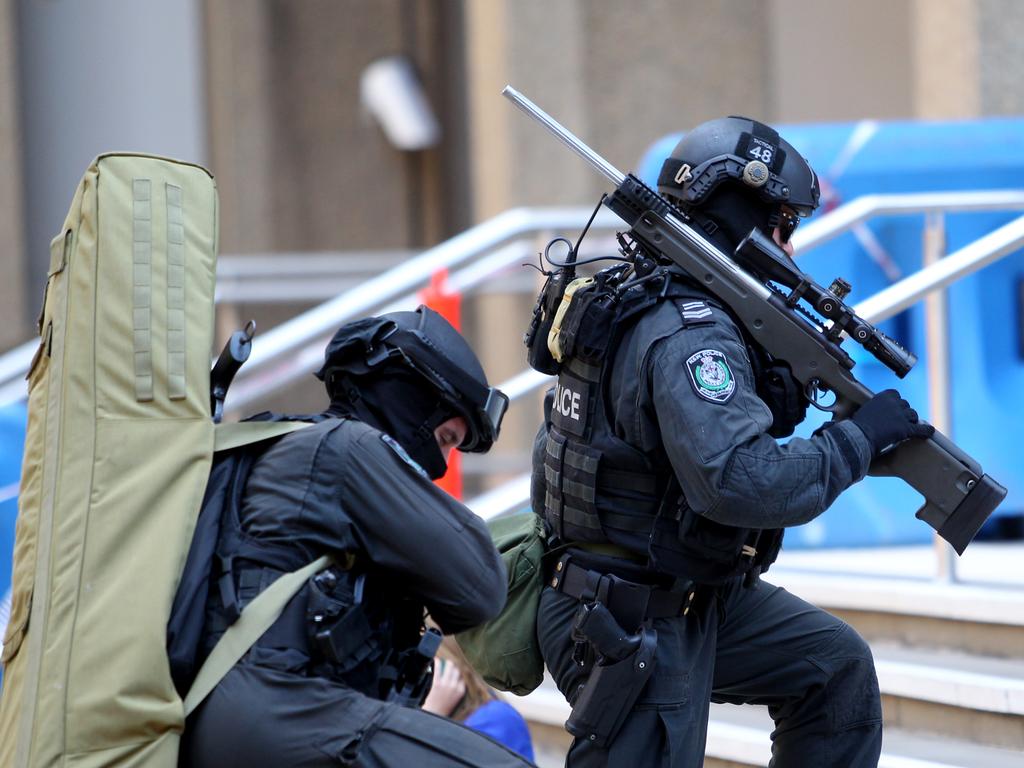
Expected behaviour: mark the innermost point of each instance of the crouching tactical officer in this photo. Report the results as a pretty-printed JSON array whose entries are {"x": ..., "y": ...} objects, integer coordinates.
[
  {"x": 658, "y": 468},
  {"x": 325, "y": 685}
]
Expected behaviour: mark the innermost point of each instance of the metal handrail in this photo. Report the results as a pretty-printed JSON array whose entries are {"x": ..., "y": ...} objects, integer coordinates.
[
  {"x": 851, "y": 214},
  {"x": 294, "y": 348},
  {"x": 313, "y": 326},
  {"x": 394, "y": 285},
  {"x": 281, "y": 353},
  {"x": 411, "y": 275},
  {"x": 891, "y": 301}
]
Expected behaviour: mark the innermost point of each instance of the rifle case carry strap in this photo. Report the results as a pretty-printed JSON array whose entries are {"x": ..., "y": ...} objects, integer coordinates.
[
  {"x": 236, "y": 434},
  {"x": 256, "y": 619}
]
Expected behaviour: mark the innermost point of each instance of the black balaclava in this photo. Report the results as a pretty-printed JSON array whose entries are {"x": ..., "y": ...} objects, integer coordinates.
[
  {"x": 401, "y": 404},
  {"x": 730, "y": 212}
]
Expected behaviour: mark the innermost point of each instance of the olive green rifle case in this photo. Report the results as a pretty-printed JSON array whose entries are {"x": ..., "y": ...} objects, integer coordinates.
[{"x": 117, "y": 454}]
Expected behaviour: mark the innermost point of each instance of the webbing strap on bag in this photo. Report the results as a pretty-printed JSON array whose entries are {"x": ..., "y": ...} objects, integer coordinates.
[
  {"x": 256, "y": 619},
  {"x": 237, "y": 434}
]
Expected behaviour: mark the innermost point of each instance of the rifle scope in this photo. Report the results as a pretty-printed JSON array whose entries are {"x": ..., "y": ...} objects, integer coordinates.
[{"x": 759, "y": 254}]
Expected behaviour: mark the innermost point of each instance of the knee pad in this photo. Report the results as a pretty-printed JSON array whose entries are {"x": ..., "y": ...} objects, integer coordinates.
[{"x": 852, "y": 689}]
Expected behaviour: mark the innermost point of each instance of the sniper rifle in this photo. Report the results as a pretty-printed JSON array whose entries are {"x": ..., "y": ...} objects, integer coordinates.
[{"x": 764, "y": 288}]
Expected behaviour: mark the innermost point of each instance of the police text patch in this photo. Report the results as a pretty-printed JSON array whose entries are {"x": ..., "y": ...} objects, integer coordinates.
[
  {"x": 571, "y": 407},
  {"x": 711, "y": 375}
]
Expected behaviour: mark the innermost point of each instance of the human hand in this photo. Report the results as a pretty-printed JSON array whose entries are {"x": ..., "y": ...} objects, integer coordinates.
[
  {"x": 887, "y": 419},
  {"x": 446, "y": 690},
  {"x": 784, "y": 397}
]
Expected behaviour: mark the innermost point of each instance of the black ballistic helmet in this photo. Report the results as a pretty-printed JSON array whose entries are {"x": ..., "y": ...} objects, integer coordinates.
[
  {"x": 738, "y": 173},
  {"x": 416, "y": 358}
]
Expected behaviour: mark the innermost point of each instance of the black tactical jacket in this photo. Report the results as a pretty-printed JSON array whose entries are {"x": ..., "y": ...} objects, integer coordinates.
[
  {"x": 716, "y": 439},
  {"x": 676, "y": 394},
  {"x": 341, "y": 487}
]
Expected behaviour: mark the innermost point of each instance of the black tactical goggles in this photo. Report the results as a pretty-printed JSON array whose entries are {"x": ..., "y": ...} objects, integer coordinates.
[
  {"x": 493, "y": 412},
  {"x": 483, "y": 408}
]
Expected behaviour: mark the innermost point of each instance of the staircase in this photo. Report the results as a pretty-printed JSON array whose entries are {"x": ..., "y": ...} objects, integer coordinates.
[{"x": 950, "y": 662}]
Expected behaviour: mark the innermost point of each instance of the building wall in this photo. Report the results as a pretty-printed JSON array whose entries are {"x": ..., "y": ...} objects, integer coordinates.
[
  {"x": 270, "y": 91},
  {"x": 240, "y": 115},
  {"x": 95, "y": 77},
  {"x": 302, "y": 165},
  {"x": 946, "y": 57},
  {"x": 834, "y": 61},
  {"x": 656, "y": 66},
  {"x": 1000, "y": 31},
  {"x": 616, "y": 74}
]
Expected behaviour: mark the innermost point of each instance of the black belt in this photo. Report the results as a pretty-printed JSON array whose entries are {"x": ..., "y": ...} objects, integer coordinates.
[{"x": 630, "y": 603}]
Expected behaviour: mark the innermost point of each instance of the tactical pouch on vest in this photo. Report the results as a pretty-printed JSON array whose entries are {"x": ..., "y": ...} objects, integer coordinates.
[
  {"x": 777, "y": 389},
  {"x": 570, "y": 473},
  {"x": 340, "y": 631},
  {"x": 536, "y": 337},
  {"x": 698, "y": 548},
  {"x": 625, "y": 664},
  {"x": 586, "y": 328}
]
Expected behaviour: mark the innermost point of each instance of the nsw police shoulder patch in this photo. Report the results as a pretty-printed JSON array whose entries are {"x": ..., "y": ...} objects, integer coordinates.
[
  {"x": 711, "y": 376},
  {"x": 403, "y": 454}
]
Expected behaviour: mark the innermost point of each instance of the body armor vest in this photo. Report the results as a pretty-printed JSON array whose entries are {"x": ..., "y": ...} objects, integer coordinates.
[{"x": 600, "y": 489}]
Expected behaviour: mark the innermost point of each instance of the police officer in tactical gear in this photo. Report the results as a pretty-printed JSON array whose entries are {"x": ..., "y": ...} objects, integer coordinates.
[
  {"x": 659, "y": 471},
  {"x": 323, "y": 686}
]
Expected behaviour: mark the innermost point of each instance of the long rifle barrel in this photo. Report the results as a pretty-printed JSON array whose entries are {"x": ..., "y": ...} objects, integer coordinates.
[{"x": 613, "y": 174}]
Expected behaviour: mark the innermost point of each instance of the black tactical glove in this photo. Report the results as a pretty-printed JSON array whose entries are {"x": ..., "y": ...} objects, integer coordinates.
[
  {"x": 784, "y": 397},
  {"x": 777, "y": 389},
  {"x": 887, "y": 419}
]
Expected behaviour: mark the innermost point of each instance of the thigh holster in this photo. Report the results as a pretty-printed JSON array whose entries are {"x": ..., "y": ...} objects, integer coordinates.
[{"x": 624, "y": 664}]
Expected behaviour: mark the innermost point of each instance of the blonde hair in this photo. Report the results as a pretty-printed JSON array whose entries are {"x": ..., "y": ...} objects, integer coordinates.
[{"x": 478, "y": 692}]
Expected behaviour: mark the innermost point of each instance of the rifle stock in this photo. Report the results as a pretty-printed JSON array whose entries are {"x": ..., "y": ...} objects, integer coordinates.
[{"x": 959, "y": 497}]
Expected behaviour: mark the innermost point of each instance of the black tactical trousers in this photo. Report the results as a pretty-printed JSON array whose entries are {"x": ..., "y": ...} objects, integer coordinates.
[
  {"x": 262, "y": 718},
  {"x": 739, "y": 646}
]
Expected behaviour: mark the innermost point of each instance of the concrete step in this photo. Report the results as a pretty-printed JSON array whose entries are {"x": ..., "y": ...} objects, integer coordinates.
[
  {"x": 740, "y": 736},
  {"x": 951, "y": 693},
  {"x": 970, "y": 707},
  {"x": 982, "y": 620}
]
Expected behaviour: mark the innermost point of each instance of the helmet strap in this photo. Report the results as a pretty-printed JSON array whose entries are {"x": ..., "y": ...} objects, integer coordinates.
[{"x": 734, "y": 212}]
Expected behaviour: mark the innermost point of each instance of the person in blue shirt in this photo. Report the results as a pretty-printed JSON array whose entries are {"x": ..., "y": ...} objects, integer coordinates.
[{"x": 459, "y": 693}]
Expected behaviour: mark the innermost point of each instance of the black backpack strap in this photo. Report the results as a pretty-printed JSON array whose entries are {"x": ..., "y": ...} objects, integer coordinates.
[
  {"x": 238, "y": 446},
  {"x": 229, "y": 543},
  {"x": 233, "y": 544}
]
